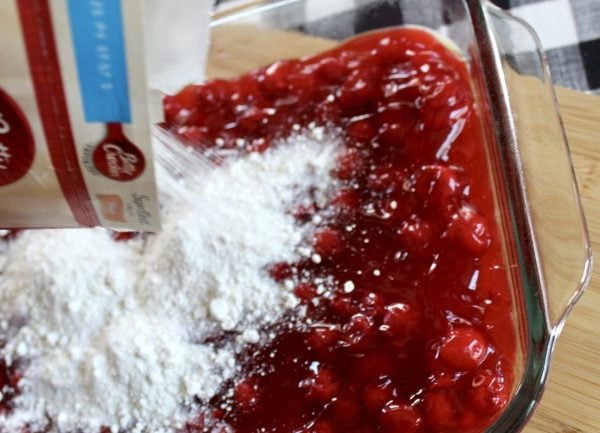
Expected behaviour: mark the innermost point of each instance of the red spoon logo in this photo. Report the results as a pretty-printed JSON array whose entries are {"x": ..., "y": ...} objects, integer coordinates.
[
  {"x": 118, "y": 158},
  {"x": 16, "y": 141}
]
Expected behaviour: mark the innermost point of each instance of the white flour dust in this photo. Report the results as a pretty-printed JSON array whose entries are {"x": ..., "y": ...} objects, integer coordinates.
[{"x": 108, "y": 331}]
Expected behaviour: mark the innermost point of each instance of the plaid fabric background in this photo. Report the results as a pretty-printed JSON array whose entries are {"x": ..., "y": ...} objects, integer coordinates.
[
  {"x": 568, "y": 29},
  {"x": 570, "y": 34}
]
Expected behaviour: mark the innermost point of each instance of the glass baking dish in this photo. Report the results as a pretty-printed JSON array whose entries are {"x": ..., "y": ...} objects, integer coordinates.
[{"x": 538, "y": 206}]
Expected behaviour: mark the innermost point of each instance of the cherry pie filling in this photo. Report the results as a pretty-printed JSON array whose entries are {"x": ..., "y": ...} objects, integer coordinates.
[
  {"x": 406, "y": 323},
  {"x": 408, "y": 313}
]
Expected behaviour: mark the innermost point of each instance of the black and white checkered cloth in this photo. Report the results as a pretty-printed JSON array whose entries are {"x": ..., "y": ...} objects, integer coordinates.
[
  {"x": 570, "y": 34},
  {"x": 569, "y": 30}
]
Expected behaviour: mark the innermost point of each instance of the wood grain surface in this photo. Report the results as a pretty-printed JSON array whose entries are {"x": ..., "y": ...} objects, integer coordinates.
[{"x": 571, "y": 402}]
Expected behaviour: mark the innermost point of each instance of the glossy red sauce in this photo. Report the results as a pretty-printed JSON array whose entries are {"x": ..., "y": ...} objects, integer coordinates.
[{"x": 414, "y": 332}]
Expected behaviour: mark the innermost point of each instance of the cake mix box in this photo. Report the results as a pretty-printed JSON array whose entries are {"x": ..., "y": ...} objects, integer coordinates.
[{"x": 80, "y": 86}]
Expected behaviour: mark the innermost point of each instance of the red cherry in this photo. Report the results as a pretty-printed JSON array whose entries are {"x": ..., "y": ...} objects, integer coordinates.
[
  {"x": 442, "y": 408},
  {"x": 332, "y": 70},
  {"x": 357, "y": 92},
  {"x": 246, "y": 394},
  {"x": 424, "y": 57},
  {"x": 219, "y": 93},
  {"x": 361, "y": 132},
  {"x": 400, "y": 321},
  {"x": 372, "y": 366},
  {"x": 349, "y": 164},
  {"x": 253, "y": 119},
  {"x": 346, "y": 410},
  {"x": 305, "y": 291},
  {"x": 438, "y": 120},
  {"x": 371, "y": 305},
  {"x": 390, "y": 52},
  {"x": 366, "y": 429},
  {"x": 320, "y": 426},
  {"x": 320, "y": 386},
  {"x": 401, "y": 120},
  {"x": 327, "y": 113},
  {"x": 468, "y": 420},
  {"x": 386, "y": 179},
  {"x": 343, "y": 306},
  {"x": 393, "y": 134},
  {"x": 186, "y": 97},
  {"x": 439, "y": 187},
  {"x": 376, "y": 395},
  {"x": 487, "y": 391},
  {"x": 464, "y": 348},
  {"x": 468, "y": 230},
  {"x": 392, "y": 210},
  {"x": 400, "y": 417},
  {"x": 324, "y": 338},
  {"x": 403, "y": 89},
  {"x": 415, "y": 234},
  {"x": 214, "y": 122},
  {"x": 281, "y": 271},
  {"x": 171, "y": 108},
  {"x": 346, "y": 200},
  {"x": 274, "y": 82},
  {"x": 444, "y": 379},
  {"x": 446, "y": 94},
  {"x": 302, "y": 86},
  {"x": 358, "y": 332},
  {"x": 196, "y": 117},
  {"x": 248, "y": 91},
  {"x": 216, "y": 415},
  {"x": 328, "y": 242}
]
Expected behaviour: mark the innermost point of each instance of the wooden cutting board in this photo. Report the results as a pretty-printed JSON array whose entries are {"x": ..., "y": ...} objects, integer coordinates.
[{"x": 571, "y": 403}]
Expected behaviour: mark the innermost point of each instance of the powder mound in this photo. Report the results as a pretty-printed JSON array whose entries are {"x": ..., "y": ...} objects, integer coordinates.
[
  {"x": 109, "y": 333},
  {"x": 216, "y": 249},
  {"x": 93, "y": 356}
]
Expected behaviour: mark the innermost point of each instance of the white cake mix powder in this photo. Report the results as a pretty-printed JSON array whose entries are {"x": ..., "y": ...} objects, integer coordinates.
[{"x": 108, "y": 332}]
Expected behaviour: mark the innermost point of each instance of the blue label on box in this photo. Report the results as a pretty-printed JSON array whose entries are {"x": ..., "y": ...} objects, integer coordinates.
[{"x": 98, "y": 39}]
